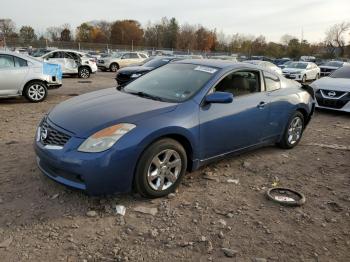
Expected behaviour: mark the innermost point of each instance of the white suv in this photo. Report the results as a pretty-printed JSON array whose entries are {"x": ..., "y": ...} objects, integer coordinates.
[
  {"x": 302, "y": 71},
  {"x": 119, "y": 60},
  {"x": 72, "y": 62}
]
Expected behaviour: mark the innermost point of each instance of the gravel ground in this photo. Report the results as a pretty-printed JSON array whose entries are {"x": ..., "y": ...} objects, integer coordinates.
[{"x": 220, "y": 212}]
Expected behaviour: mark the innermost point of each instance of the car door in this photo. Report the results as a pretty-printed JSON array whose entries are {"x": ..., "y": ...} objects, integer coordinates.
[
  {"x": 229, "y": 127},
  {"x": 125, "y": 60},
  {"x": 71, "y": 62},
  {"x": 13, "y": 71},
  {"x": 57, "y": 57},
  {"x": 134, "y": 58},
  {"x": 279, "y": 106}
]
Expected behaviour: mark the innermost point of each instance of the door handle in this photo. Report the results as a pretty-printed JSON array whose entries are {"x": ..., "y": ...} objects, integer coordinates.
[{"x": 262, "y": 104}]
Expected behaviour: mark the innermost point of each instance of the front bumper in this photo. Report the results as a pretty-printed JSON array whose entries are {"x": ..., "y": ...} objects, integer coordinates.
[
  {"x": 105, "y": 65},
  {"x": 96, "y": 173},
  {"x": 337, "y": 104},
  {"x": 297, "y": 77}
]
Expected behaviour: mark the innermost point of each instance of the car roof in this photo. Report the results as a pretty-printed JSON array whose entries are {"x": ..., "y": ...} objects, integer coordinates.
[
  {"x": 23, "y": 56},
  {"x": 217, "y": 63}
]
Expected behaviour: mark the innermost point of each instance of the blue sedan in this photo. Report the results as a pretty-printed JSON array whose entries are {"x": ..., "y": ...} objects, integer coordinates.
[{"x": 145, "y": 135}]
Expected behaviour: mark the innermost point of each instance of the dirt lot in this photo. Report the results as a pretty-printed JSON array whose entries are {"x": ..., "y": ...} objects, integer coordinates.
[{"x": 43, "y": 221}]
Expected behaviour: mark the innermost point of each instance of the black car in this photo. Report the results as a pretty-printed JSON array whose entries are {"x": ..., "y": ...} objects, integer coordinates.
[{"x": 130, "y": 73}]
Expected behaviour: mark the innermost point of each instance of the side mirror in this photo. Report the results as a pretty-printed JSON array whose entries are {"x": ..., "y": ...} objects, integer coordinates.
[{"x": 219, "y": 98}]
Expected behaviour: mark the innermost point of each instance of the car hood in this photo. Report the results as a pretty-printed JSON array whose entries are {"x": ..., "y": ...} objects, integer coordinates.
[
  {"x": 329, "y": 83},
  {"x": 134, "y": 69},
  {"x": 292, "y": 70},
  {"x": 88, "y": 113},
  {"x": 329, "y": 67}
]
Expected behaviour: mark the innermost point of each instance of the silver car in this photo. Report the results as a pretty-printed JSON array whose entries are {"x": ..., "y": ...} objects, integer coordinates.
[
  {"x": 21, "y": 75},
  {"x": 119, "y": 60}
]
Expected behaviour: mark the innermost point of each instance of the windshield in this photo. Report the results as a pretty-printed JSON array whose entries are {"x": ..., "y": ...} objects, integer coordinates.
[
  {"x": 172, "y": 82},
  {"x": 343, "y": 72},
  {"x": 297, "y": 65},
  {"x": 334, "y": 63},
  {"x": 157, "y": 62}
]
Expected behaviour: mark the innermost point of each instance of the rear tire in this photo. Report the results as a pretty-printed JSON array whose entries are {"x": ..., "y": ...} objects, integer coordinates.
[
  {"x": 160, "y": 168},
  {"x": 84, "y": 72},
  {"x": 293, "y": 132},
  {"x": 35, "y": 91}
]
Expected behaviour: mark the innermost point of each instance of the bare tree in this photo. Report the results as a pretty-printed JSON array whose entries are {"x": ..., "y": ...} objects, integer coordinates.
[{"x": 335, "y": 37}]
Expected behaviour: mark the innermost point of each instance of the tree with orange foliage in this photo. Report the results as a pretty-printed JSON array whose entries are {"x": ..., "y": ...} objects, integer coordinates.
[{"x": 126, "y": 32}]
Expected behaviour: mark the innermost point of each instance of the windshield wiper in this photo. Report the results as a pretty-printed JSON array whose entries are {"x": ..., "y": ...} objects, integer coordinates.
[{"x": 146, "y": 95}]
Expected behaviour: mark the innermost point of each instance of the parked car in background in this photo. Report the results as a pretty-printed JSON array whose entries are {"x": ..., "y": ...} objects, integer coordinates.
[
  {"x": 130, "y": 73},
  {"x": 308, "y": 59},
  {"x": 263, "y": 58},
  {"x": 21, "y": 75},
  {"x": 181, "y": 116},
  {"x": 94, "y": 54},
  {"x": 40, "y": 52},
  {"x": 333, "y": 91},
  {"x": 118, "y": 60},
  {"x": 286, "y": 64},
  {"x": 302, "y": 71},
  {"x": 281, "y": 61},
  {"x": 225, "y": 57},
  {"x": 331, "y": 66},
  {"x": 72, "y": 62},
  {"x": 265, "y": 64}
]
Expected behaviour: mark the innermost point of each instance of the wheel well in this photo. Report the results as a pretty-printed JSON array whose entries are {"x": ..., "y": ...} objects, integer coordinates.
[
  {"x": 116, "y": 64},
  {"x": 32, "y": 81},
  {"x": 184, "y": 142},
  {"x": 305, "y": 115},
  {"x": 88, "y": 67}
]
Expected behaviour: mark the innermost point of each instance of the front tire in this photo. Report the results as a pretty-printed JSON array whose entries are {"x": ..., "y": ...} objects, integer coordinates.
[
  {"x": 293, "y": 132},
  {"x": 303, "y": 80},
  {"x": 35, "y": 91},
  {"x": 114, "y": 67},
  {"x": 84, "y": 72},
  {"x": 160, "y": 168}
]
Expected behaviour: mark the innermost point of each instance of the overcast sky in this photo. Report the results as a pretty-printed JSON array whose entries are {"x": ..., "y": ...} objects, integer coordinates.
[{"x": 272, "y": 18}]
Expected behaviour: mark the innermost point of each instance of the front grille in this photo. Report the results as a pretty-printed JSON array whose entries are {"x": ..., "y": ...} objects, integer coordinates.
[
  {"x": 336, "y": 103},
  {"x": 53, "y": 136},
  {"x": 326, "y": 70},
  {"x": 56, "y": 172}
]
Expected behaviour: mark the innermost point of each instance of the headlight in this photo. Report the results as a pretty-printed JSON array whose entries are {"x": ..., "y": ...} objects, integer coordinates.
[
  {"x": 105, "y": 138},
  {"x": 136, "y": 75}
]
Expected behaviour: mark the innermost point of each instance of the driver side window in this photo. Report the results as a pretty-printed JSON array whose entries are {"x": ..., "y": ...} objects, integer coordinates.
[{"x": 240, "y": 83}]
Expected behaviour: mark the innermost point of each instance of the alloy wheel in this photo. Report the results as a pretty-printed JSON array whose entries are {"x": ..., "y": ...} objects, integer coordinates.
[
  {"x": 295, "y": 130},
  {"x": 84, "y": 73},
  {"x": 164, "y": 170},
  {"x": 36, "y": 92}
]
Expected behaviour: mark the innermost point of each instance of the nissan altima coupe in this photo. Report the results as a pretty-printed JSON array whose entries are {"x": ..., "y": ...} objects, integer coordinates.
[{"x": 181, "y": 116}]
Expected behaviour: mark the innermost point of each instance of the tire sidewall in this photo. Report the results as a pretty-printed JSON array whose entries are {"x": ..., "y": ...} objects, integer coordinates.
[
  {"x": 31, "y": 84},
  {"x": 141, "y": 183}
]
